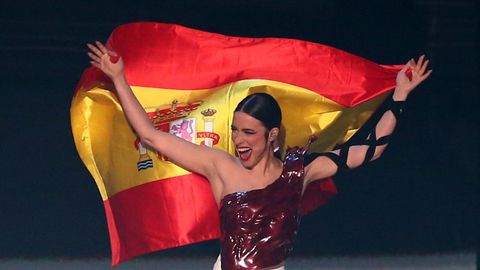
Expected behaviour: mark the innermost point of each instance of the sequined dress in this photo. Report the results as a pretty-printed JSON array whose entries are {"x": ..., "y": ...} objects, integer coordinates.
[{"x": 259, "y": 226}]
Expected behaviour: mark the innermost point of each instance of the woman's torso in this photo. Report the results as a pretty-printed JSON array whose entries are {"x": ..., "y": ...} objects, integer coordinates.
[{"x": 259, "y": 226}]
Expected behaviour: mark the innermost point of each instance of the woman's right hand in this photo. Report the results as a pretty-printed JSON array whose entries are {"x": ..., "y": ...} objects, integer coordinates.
[{"x": 107, "y": 61}]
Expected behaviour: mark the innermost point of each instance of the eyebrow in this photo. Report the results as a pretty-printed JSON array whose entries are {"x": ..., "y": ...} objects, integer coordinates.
[{"x": 243, "y": 129}]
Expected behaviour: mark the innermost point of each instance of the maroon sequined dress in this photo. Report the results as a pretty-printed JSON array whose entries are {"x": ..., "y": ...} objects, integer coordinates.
[{"x": 259, "y": 226}]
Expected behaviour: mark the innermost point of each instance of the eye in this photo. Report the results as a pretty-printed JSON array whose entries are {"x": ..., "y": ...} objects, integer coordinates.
[{"x": 250, "y": 132}]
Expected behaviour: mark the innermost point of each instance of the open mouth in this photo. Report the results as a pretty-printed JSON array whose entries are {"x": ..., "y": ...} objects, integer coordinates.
[{"x": 244, "y": 153}]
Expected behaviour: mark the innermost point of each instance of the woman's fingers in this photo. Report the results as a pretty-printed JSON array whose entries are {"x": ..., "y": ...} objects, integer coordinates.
[
  {"x": 95, "y": 64},
  {"x": 420, "y": 67},
  {"x": 94, "y": 57},
  {"x": 421, "y": 78},
  {"x": 405, "y": 67},
  {"x": 101, "y": 47},
  {"x": 408, "y": 69},
  {"x": 420, "y": 61},
  {"x": 424, "y": 76},
  {"x": 94, "y": 49},
  {"x": 98, "y": 51},
  {"x": 412, "y": 62},
  {"x": 423, "y": 67},
  {"x": 413, "y": 73}
]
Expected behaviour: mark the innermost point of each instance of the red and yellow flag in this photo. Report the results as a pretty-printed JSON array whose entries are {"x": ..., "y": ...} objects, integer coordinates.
[{"x": 189, "y": 82}]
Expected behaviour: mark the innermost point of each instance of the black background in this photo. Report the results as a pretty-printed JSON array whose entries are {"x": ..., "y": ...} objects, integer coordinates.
[{"x": 420, "y": 197}]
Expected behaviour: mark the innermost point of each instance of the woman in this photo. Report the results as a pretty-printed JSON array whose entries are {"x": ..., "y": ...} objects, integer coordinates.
[{"x": 259, "y": 195}]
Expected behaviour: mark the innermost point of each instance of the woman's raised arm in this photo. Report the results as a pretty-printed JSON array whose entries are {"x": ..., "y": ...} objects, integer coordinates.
[
  {"x": 195, "y": 158},
  {"x": 350, "y": 156}
]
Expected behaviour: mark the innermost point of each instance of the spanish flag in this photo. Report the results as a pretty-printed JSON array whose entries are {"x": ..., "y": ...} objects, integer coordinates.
[{"x": 189, "y": 82}]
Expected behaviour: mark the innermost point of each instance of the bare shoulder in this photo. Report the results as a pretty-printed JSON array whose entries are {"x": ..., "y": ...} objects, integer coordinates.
[{"x": 224, "y": 160}]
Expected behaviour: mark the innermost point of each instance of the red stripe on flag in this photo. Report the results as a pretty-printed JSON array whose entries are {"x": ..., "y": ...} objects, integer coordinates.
[
  {"x": 175, "y": 212},
  {"x": 317, "y": 194},
  {"x": 175, "y": 57},
  {"x": 161, "y": 214}
]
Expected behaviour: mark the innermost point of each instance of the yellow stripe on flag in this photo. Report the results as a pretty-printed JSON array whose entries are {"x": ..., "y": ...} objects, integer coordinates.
[{"x": 110, "y": 149}]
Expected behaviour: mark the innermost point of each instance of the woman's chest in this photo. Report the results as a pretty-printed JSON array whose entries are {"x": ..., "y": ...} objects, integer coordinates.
[{"x": 244, "y": 182}]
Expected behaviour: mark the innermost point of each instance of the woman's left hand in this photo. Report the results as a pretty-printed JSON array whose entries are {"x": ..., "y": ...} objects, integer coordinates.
[
  {"x": 106, "y": 60},
  {"x": 410, "y": 76}
]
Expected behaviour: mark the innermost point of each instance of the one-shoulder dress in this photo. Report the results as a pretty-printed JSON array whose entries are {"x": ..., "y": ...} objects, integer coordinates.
[{"x": 258, "y": 227}]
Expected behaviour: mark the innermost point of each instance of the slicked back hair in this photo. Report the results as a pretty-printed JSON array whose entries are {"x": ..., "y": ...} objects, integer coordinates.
[{"x": 262, "y": 107}]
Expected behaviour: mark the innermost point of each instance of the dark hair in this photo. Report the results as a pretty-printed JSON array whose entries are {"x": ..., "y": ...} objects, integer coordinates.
[{"x": 262, "y": 107}]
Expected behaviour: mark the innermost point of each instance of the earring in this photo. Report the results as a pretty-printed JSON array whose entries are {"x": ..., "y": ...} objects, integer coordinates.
[{"x": 275, "y": 146}]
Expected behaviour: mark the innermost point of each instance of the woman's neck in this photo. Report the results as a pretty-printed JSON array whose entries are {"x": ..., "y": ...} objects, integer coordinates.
[{"x": 267, "y": 166}]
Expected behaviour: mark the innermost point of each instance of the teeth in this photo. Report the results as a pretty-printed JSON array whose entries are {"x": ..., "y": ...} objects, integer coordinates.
[{"x": 243, "y": 149}]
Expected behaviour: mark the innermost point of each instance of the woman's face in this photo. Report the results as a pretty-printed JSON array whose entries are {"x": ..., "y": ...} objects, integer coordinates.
[{"x": 250, "y": 138}]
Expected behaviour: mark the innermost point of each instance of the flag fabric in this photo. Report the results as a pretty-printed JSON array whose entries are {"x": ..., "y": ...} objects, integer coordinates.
[{"x": 189, "y": 82}]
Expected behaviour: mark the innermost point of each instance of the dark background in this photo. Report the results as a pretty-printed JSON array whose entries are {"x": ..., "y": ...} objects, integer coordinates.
[{"x": 421, "y": 197}]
